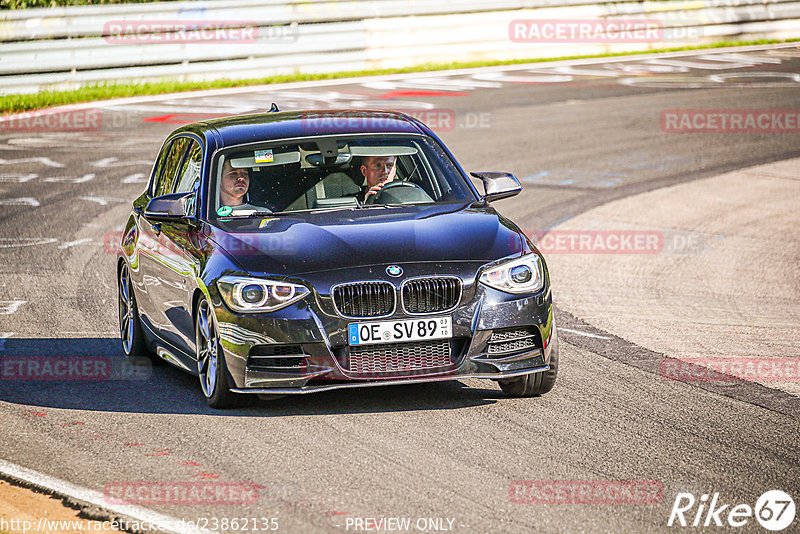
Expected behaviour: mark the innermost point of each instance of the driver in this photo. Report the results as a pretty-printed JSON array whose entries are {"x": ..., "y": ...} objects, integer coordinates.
[{"x": 377, "y": 171}]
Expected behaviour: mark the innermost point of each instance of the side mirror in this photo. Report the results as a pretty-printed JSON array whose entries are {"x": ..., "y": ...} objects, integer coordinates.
[
  {"x": 498, "y": 185},
  {"x": 174, "y": 207}
]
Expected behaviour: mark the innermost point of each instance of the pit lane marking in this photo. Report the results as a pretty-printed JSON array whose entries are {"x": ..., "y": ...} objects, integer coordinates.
[
  {"x": 22, "y": 201},
  {"x": 13, "y": 242},
  {"x": 137, "y": 178},
  {"x": 17, "y": 178},
  {"x": 104, "y": 201},
  {"x": 70, "y": 179},
  {"x": 44, "y": 161},
  {"x": 9, "y": 307},
  {"x": 107, "y": 163},
  {"x": 76, "y": 242}
]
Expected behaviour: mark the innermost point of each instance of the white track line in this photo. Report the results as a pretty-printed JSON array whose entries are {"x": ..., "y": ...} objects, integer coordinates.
[
  {"x": 587, "y": 334},
  {"x": 131, "y": 513},
  {"x": 389, "y": 77}
]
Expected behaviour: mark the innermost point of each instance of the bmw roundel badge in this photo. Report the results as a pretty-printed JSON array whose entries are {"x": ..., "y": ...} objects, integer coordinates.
[{"x": 394, "y": 270}]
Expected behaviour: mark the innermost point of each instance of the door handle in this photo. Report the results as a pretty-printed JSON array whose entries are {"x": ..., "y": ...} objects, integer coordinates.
[{"x": 157, "y": 228}]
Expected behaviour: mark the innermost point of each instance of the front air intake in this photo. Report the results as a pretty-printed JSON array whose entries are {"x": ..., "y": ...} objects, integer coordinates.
[
  {"x": 431, "y": 295},
  {"x": 364, "y": 299}
]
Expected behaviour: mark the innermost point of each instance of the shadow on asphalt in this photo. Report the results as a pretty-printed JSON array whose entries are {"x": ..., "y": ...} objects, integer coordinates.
[{"x": 93, "y": 374}]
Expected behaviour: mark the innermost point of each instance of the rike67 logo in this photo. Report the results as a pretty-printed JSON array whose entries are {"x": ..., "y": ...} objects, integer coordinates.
[{"x": 774, "y": 510}]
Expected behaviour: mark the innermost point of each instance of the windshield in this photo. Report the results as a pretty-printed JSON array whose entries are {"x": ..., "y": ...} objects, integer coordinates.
[{"x": 334, "y": 173}]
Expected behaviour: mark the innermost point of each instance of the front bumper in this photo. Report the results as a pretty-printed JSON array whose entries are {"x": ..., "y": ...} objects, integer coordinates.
[
  {"x": 315, "y": 388},
  {"x": 311, "y": 353}
]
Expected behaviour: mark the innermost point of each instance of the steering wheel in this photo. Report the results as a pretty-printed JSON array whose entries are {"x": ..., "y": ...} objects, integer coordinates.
[{"x": 396, "y": 184}]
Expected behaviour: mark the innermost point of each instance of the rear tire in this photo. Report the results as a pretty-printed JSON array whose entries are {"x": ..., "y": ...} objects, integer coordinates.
[
  {"x": 536, "y": 383},
  {"x": 215, "y": 381}
]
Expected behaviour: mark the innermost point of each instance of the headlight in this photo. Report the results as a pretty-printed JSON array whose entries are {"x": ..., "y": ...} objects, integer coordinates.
[
  {"x": 245, "y": 294},
  {"x": 520, "y": 275}
]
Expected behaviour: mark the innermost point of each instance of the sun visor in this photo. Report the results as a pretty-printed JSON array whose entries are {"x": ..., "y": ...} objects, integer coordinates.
[
  {"x": 265, "y": 160},
  {"x": 382, "y": 150}
]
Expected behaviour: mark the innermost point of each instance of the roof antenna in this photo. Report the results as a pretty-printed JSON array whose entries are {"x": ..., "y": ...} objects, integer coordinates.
[{"x": 274, "y": 108}]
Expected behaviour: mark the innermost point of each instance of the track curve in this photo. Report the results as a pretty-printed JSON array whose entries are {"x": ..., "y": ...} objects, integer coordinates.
[{"x": 438, "y": 451}]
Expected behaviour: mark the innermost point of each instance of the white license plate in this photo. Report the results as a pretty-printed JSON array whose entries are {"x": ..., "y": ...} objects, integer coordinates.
[{"x": 399, "y": 331}]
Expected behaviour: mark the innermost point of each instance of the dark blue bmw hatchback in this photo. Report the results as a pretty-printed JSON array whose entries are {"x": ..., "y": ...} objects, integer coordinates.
[{"x": 294, "y": 252}]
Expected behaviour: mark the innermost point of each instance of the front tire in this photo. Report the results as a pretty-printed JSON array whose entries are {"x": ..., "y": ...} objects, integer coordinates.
[
  {"x": 130, "y": 326},
  {"x": 214, "y": 378},
  {"x": 536, "y": 383}
]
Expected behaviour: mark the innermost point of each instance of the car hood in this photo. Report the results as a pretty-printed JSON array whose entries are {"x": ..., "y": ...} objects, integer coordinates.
[{"x": 318, "y": 241}]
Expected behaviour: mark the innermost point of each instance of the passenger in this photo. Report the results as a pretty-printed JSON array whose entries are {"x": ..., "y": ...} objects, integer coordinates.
[{"x": 234, "y": 185}]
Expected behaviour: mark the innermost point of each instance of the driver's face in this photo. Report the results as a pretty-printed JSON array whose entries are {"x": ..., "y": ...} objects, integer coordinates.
[
  {"x": 235, "y": 183},
  {"x": 377, "y": 169}
]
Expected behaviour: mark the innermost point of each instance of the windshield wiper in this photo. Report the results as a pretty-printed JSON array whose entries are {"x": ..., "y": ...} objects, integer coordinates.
[
  {"x": 266, "y": 214},
  {"x": 254, "y": 214}
]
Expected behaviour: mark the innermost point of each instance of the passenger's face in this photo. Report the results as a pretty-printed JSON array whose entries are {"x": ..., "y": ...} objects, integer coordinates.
[
  {"x": 235, "y": 183},
  {"x": 377, "y": 168}
]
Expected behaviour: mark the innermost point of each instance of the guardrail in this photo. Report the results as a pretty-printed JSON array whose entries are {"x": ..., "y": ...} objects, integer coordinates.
[{"x": 68, "y": 47}]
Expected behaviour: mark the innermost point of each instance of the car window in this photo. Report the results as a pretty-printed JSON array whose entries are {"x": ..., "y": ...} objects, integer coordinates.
[
  {"x": 159, "y": 167},
  {"x": 189, "y": 174},
  {"x": 296, "y": 176},
  {"x": 167, "y": 181}
]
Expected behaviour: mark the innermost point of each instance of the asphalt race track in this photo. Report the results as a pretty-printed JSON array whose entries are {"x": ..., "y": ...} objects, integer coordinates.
[{"x": 446, "y": 456}]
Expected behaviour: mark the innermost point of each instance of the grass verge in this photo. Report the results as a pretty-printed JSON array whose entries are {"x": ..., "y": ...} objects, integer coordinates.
[{"x": 103, "y": 91}]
